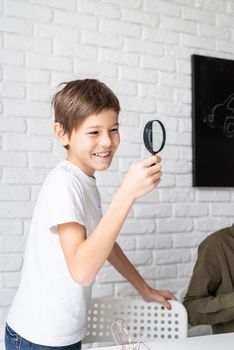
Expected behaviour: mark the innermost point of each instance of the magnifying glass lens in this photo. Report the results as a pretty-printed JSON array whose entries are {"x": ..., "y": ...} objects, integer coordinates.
[{"x": 157, "y": 136}]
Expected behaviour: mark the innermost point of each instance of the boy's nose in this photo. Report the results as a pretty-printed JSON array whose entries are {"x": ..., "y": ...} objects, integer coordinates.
[{"x": 105, "y": 140}]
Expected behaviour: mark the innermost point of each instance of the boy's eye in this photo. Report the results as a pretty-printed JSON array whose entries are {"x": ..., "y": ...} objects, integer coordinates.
[
  {"x": 93, "y": 133},
  {"x": 114, "y": 130}
]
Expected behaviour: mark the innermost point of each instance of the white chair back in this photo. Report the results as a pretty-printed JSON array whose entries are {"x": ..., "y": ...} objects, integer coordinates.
[{"x": 154, "y": 319}]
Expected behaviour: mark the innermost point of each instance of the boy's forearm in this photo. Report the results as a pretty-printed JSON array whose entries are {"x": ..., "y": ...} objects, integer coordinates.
[
  {"x": 97, "y": 247},
  {"x": 121, "y": 263}
]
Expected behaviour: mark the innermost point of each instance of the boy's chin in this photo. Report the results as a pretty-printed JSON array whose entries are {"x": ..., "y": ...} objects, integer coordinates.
[{"x": 102, "y": 167}]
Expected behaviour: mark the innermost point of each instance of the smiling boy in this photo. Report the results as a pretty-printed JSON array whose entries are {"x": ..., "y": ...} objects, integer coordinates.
[{"x": 69, "y": 239}]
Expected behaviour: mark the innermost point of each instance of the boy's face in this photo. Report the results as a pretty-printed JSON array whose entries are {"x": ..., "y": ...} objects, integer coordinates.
[{"x": 93, "y": 144}]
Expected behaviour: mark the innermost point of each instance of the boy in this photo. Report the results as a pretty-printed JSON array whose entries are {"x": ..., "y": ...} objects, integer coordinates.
[{"x": 69, "y": 240}]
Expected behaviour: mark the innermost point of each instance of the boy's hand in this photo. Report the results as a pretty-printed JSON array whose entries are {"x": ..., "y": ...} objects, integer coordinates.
[
  {"x": 159, "y": 296},
  {"x": 142, "y": 177}
]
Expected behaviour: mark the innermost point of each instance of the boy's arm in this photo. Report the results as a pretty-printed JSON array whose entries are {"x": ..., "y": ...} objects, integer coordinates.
[
  {"x": 121, "y": 263},
  {"x": 86, "y": 255},
  {"x": 203, "y": 304}
]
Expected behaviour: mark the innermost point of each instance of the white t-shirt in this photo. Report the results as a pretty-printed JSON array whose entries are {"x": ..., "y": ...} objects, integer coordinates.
[{"x": 50, "y": 308}]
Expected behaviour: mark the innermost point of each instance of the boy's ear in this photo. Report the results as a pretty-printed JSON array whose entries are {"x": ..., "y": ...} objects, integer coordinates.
[{"x": 60, "y": 135}]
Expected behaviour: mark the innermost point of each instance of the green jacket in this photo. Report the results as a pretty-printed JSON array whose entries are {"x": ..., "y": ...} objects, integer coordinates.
[{"x": 210, "y": 295}]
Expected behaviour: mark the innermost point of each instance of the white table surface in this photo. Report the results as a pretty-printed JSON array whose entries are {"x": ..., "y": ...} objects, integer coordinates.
[{"x": 208, "y": 342}]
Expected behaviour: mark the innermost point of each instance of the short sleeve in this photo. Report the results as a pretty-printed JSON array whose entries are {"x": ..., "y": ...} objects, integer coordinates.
[{"x": 63, "y": 200}]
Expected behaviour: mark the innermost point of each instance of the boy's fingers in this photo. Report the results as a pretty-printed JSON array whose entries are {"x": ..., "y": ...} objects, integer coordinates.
[
  {"x": 168, "y": 305},
  {"x": 164, "y": 302},
  {"x": 158, "y": 159},
  {"x": 154, "y": 169},
  {"x": 172, "y": 296},
  {"x": 151, "y": 161},
  {"x": 168, "y": 295}
]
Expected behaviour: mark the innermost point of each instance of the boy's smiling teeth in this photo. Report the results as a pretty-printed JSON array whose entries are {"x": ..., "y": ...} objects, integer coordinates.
[{"x": 102, "y": 154}]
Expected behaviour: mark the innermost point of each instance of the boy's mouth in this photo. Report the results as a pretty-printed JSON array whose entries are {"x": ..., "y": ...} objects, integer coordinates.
[{"x": 102, "y": 154}]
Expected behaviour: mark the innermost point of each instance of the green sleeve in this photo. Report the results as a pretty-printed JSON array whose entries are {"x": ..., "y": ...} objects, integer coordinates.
[{"x": 202, "y": 303}]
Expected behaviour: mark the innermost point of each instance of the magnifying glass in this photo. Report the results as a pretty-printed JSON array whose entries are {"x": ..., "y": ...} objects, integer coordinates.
[{"x": 154, "y": 136}]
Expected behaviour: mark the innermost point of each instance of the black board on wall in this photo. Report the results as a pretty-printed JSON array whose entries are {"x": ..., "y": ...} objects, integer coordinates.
[{"x": 213, "y": 121}]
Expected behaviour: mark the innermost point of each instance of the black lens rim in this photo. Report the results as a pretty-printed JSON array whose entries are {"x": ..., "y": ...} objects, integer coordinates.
[{"x": 148, "y": 126}]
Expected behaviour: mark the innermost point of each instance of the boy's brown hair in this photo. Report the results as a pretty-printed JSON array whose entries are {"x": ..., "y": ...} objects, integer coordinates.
[{"x": 79, "y": 99}]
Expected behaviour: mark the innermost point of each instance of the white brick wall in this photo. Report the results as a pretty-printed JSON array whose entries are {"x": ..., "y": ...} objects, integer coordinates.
[{"x": 141, "y": 49}]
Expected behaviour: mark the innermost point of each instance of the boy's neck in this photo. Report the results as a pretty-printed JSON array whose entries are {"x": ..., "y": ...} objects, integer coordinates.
[{"x": 80, "y": 166}]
